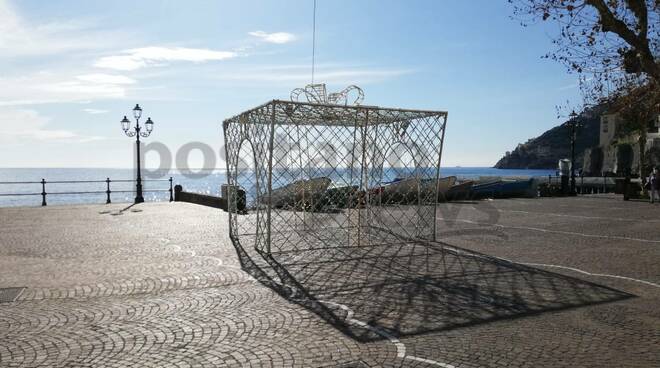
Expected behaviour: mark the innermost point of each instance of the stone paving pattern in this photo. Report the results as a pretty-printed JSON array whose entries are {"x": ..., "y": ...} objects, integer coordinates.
[{"x": 160, "y": 285}]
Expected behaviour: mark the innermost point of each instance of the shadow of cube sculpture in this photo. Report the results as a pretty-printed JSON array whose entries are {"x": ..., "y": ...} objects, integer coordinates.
[
  {"x": 334, "y": 208},
  {"x": 319, "y": 176}
]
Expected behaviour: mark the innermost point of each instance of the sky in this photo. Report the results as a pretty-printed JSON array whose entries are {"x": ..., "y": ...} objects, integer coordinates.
[{"x": 70, "y": 71}]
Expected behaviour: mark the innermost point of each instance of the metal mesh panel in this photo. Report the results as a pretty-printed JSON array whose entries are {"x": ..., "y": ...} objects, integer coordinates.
[{"x": 320, "y": 176}]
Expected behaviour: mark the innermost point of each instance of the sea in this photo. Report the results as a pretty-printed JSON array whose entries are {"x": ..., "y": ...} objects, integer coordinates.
[{"x": 22, "y": 187}]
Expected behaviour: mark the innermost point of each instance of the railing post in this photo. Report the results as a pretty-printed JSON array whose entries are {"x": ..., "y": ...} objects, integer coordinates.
[
  {"x": 107, "y": 191},
  {"x": 43, "y": 192},
  {"x": 171, "y": 192}
]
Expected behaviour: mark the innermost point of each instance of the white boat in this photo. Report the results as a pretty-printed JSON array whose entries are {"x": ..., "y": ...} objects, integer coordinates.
[
  {"x": 406, "y": 190},
  {"x": 299, "y": 192},
  {"x": 428, "y": 187}
]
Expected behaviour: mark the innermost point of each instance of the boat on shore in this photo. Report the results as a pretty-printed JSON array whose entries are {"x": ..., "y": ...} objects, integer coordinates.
[
  {"x": 339, "y": 198},
  {"x": 458, "y": 192},
  {"x": 428, "y": 187},
  {"x": 317, "y": 194},
  {"x": 299, "y": 193},
  {"x": 409, "y": 190},
  {"x": 526, "y": 188}
]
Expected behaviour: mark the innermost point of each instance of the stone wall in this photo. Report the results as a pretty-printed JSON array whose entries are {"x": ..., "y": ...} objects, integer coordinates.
[{"x": 593, "y": 161}]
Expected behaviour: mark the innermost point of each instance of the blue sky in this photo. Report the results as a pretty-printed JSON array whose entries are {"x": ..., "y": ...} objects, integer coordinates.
[{"x": 70, "y": 70}]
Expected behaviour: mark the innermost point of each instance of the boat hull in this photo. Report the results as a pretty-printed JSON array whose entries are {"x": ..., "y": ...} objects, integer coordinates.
[
  {"x": 412, "y": 190},
  {"x": 462, "y": 191},
  {"x": 506, "y": 189},
  {"x": 299, "y": 194}
]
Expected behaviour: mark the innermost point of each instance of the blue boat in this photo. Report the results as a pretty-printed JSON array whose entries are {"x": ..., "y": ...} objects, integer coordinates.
[{"x": 505, "y": 189}]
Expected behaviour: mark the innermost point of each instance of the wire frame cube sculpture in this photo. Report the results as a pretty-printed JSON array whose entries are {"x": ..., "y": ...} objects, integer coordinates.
[
  {"x": 312, "y": 176},
  {"x": 333, "y": 206}
]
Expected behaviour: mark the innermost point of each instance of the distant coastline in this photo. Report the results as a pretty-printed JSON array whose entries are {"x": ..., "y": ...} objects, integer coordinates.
[{"x": 545, "y": 151}]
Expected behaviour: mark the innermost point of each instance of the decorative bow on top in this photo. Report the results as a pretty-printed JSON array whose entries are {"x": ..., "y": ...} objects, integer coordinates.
[{"x": 316, "y": 93}]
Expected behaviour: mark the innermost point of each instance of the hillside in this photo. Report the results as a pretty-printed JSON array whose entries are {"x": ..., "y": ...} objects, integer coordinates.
[{"x": 545, "y": 151}]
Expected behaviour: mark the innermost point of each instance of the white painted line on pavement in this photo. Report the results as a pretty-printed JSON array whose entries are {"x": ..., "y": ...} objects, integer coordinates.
[
  {"x": 557, "y": 266},
  {"x": 576, "y": 216},
  {"x": 614, "y": 237},
  {"x": 400, "y": 347},
  {"x": 428, "y": 361},
  {"x": 219, "y": 261},
  {"x": 587, "y": 273}
]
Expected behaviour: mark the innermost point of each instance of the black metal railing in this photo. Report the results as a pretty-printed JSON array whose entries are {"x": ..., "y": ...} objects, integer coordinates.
[
  {"x": 586, "y": 184},
  {"x": 44, "y": 193}
]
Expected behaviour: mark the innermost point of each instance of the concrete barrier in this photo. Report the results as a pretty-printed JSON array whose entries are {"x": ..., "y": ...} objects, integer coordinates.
[{"x": 201, "y": 199}]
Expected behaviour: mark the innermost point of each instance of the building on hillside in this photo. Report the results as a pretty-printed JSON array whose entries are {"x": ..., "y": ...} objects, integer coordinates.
[
  {"x": 618, "y": 154},
  {"x": 653, "y": 139},
  {"x": 607, "y": 129}
]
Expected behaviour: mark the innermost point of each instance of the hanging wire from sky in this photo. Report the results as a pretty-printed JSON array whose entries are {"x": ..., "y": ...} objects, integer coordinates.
[{"x": 313, "y": 40}]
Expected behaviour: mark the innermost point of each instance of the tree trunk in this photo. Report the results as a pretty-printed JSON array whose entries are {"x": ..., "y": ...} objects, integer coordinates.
[
  {"x": 639, "y": 42},
  {"x": 642, "y": 156}
]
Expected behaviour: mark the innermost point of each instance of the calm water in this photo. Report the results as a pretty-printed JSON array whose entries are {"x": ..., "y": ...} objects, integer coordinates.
[{"x": 206, "y": 184}]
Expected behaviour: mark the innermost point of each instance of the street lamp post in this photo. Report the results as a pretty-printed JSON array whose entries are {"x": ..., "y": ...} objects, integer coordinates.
[
  {"x": 137, "y": 132},
  {"x": 573, "y": 133}
]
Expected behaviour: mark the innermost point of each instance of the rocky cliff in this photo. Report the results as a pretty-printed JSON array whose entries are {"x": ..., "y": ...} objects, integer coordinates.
[{"x": 544, "y": 151}]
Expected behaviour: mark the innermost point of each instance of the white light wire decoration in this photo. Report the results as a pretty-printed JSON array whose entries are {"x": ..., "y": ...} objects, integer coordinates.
[{"x": 323, "y": 171}]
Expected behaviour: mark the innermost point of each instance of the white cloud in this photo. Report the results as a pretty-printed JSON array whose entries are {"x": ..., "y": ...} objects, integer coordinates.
[
  {"x": 301, "y": 74},
  {"x": 23, "y": 39},
  {"x": 106, "y": 79},
  {"x": 22, "y": 126},
  {"x": 141, "y": 57},
  {"x": 568, "y": 86},
  {"x": 276, "y": 37},
  {"x": 95, "y": 111},
  {"x": 49, "y": 87},
  {"x": 19, "y": 37}
]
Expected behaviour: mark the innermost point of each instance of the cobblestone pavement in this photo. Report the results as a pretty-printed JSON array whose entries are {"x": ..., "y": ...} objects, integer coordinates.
[{"x": 161, "y": 285}]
